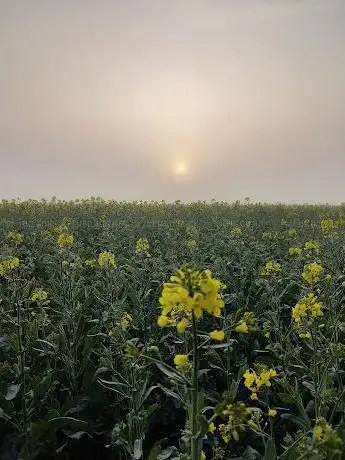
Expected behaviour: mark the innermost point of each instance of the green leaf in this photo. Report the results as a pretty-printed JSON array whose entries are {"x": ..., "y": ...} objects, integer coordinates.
[
  {"x": 166, "y": 453},
  {"x": 286, "y": 398},
  {"x": 138, "y": 449},
  {"x": 170, "y": 393},
  {"x": 169, "y": 372},
  {"x": 77, "y": 435},
  {"x": 270, "y": 450},
  {"x": 250, "y": 453},
  {"x": 203, "y": 426},
  {"x": 12, "y": 392},
  {"x": 309, "y": 385},
  {"x": 299, "y": 421},
  {"x": 154, "y": 452},
  {"x": 219, "y": 345},
  {"x": 4, "y": 416},
  {"x": 202, "y": 372}
]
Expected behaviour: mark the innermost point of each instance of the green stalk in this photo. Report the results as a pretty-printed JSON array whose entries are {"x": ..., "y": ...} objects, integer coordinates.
[
  {"x": 22, "y": 378},
  {"x": 195, "y": 454},
  {"x": 315, "y": 376}
]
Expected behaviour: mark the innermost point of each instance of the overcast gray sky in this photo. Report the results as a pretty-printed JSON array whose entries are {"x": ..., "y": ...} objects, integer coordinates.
[{"x": 173, "y": 99}]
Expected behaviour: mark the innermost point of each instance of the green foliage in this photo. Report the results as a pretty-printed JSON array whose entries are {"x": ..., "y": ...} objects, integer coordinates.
[{"x": 87, "y": 368}]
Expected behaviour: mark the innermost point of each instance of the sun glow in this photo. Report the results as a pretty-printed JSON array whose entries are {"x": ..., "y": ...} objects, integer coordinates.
[{"x": 180, "y": 168}]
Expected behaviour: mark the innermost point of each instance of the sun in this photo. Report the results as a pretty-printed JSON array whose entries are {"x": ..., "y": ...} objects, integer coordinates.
[{"x": 180, "y": 168}]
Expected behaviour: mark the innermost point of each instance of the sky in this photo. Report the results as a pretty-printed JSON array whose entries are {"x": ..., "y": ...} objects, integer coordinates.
[{"x": 173, "y": 99}]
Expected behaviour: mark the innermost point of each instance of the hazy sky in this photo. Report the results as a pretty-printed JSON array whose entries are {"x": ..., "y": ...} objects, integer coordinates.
[{"x": 173, "y": 99}]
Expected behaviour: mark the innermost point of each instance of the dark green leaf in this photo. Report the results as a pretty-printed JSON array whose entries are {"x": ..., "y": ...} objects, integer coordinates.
[{"x": 12, "y": 392}]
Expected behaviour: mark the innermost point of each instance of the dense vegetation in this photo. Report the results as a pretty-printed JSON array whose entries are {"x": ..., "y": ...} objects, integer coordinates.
[{"x": 240, "y": 356}]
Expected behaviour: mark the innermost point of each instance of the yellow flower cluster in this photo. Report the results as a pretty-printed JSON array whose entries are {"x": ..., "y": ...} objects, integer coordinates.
[
  {"x": 64, "y": 240},
  {"x": 125, "y": 320},
  {"x": 306, "y": 308},
  {"x": 240, "y": 417},
  {"x": 246, "y": 324},
  {"x": 181, "y": 360},
  {"x": 271, "y": 268},
  {"x": 295, "y": 251},
  {"x": 192, "y": 244},
  {"x": 254, "y": 381},
  {"x": 236, "y": 232},
  {"x": 189, "y": 292},
  {"x": 39, "y": 295},
  {"x": 142, "y": 247},
  {"x": 8, "y": 264},
  {"x": 329, "y": 225},
  {"x": 106, "y": 259},
  {"x": 217, "y": 335},
  {"x": 211, "y": 427},
  {"x": 312, "y": 273},
  {"x": 312, "y": 246},
  {"x": 324, "y": 433},
  {"x": 14, "y": 237},
  {"x": 272, "y": 412}
]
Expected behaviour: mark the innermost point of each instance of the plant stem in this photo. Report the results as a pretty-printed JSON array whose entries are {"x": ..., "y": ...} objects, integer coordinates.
[
  {"x": 22, "y": 377},
  {"x": 195, "y": 455},
  {"x": 315, "y": 376}
]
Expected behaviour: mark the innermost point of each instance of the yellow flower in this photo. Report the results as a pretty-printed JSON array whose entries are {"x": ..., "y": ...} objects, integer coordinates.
[
  {"x": 239, "y": 418},
  {"x": 312, "y": 246},
  {"x": 142, "y": 247},
  {"x": 163, "y": 321},
  {"x": 189, "y": 292},
  {"x": 125, "y": 320},
  {"x": 15, "y": 237},
  {"x": 324, "y": 433},
  {"x": 246, "y": 324},
  {"x": 106, "y": 259},
  {"x": 182, "y": 325},
  {"x": 64, "y": 240},
  {"x": 305, "y": 335},
  {"x": 181, "y": 360},
  {"x": 295, "y": 251},
  {"x": 211, "y": 427},
  {"x": 202, "y": 455},
  {"x": 254, "y": 381},
  {"x": 328, "y": 225},
  {"x": 312, "y": 273},
  {"x": 39, "y": 295},
  {"x": 217, "y": 335},
  {"x": 236, "y": 232},
  {"x": 249, "y": 378},
  {"x": 272, "y": 412},
  {"x": 264, "y": 378},
  {"x": 271, "y": 268},
  {"x": 242, "y": 327},
  {"x": 304, "y": 314},
  {"x": 318, "y": 432},
  {"x": 192, "y": 244},
  {"x": 8, "y": 265}
]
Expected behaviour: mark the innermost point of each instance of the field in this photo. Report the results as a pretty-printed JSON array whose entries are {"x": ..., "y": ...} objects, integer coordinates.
[{"x": 240, "y": 355}]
